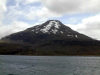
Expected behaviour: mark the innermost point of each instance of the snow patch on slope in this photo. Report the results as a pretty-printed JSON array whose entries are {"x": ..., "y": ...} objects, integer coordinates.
[
  {"x": 51, "y": 24},
  {"x": 76, "y": 36}
]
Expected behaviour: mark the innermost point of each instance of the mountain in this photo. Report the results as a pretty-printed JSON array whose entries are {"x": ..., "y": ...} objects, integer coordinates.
[
  {"x": 50, "y": 30},
  {"x": 54, "y": 38}
]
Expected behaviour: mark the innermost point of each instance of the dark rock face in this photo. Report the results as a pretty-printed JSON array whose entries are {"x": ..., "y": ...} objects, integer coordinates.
[{"x": 55, "y": 37}]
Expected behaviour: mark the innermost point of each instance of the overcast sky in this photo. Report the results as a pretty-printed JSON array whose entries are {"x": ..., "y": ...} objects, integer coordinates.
[{"x": 81, "y": 15}]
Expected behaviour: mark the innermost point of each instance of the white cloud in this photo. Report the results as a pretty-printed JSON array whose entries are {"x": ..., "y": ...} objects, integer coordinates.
[
  {"x": 41, "y": 13},
  {"x": 29, "y": 12},
  {"x": 30, "y": 1},
  {"x": 3, "y": 5},
  {"x": 3, "y": 8},
  {"x": 16, "y": 26},
  {"x": 72, "y": 6},
  {"x": 89, "y": 26}
]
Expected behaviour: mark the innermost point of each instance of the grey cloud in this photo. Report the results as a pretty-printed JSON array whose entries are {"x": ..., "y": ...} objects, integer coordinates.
[{"x": 72, "y": 6}]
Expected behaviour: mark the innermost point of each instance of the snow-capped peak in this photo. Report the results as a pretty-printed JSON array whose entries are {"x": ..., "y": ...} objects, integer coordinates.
[
  {"x": 51, "y": 24},
  {"x": 51, "y": 27}
]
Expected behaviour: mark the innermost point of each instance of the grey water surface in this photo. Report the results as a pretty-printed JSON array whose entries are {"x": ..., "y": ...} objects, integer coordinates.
[{"x": 49, "y": 65}]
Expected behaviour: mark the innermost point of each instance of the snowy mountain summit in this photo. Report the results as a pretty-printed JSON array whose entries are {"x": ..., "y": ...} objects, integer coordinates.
[{"x": 51, "y": 27}]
